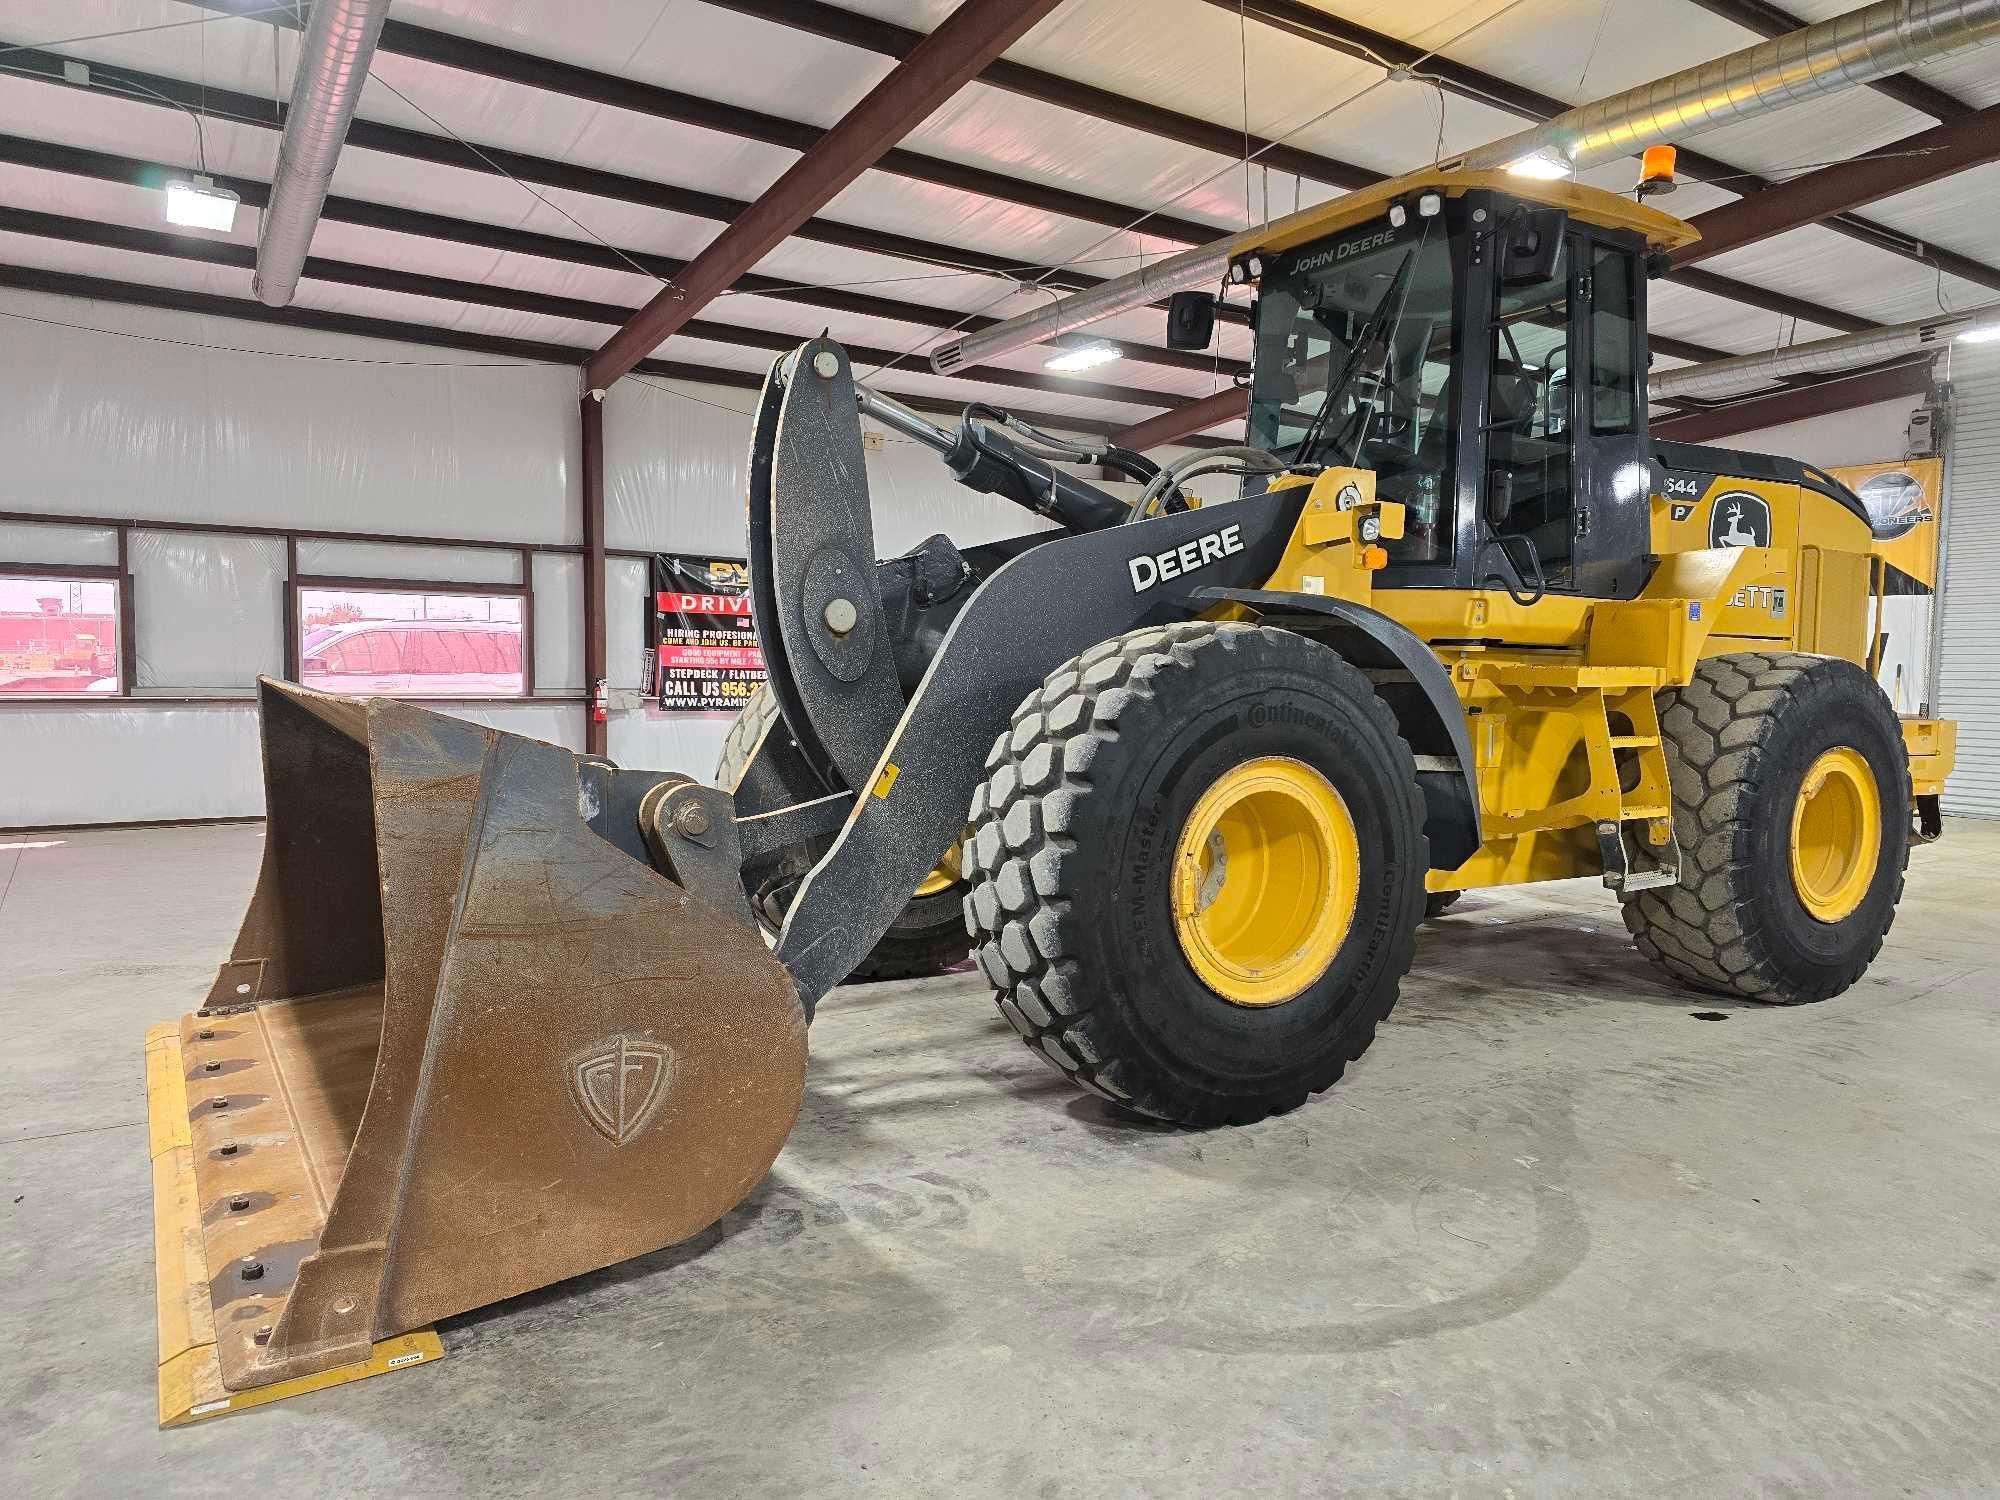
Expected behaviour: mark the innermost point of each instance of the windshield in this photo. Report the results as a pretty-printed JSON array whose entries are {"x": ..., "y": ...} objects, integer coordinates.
[{"x": 1355, "y": 347}]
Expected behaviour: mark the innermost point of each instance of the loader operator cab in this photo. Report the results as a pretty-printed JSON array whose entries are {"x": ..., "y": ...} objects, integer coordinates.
[{"x": 1483, "y": 354}]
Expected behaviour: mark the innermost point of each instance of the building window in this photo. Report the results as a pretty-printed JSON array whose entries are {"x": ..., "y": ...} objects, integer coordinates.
[
  {"x": 59, "y": 635},
  {"x": 410, "y": 643}
]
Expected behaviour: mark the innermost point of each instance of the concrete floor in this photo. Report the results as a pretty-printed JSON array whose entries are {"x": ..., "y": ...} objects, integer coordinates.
[{"x": 1556, "y": 1234}]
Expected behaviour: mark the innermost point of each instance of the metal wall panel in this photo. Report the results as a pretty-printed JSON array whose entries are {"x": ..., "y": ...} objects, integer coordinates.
[{"x": 1969, "y": 665}]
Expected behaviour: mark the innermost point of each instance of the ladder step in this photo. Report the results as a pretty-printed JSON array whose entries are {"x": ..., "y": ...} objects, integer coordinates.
[
  {"x": 1634, "y": 741},
  {"x": 1638, "y": 814}
]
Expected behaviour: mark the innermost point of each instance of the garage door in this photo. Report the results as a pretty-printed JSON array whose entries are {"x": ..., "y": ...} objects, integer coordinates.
[{"x": 1969, "y": 670}]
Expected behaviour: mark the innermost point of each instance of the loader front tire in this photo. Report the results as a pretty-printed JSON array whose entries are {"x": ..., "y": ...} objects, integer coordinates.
[
  {"x": 928, "y": 936},
  {"x": 1792, "y": 810},
  {"x": 1130, "y": 795}
]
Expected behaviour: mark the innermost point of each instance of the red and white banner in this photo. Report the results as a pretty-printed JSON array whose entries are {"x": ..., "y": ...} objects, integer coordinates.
[{"x": 705, "y": 654}]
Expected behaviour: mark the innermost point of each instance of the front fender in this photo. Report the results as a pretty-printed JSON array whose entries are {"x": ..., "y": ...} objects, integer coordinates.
[{"x": 1431, "y": 718}]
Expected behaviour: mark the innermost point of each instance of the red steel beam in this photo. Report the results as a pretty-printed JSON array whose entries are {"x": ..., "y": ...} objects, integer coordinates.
[
  {"x": 1909, "y": 163},
  {"x": 970, "y": 38},
  {"x": 1174, "y": 426},
  {"x": 1821, "y": 398},
  {"x": 1795, "y": 404},
  {"x": 596, "y": 647}
]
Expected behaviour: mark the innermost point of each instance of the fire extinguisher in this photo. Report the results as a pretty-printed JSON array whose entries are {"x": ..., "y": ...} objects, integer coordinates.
[{"x": 600, "y": 701}]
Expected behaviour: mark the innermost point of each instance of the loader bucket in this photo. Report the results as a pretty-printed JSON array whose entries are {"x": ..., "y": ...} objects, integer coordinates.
[{"x": 464, "y": 1047}]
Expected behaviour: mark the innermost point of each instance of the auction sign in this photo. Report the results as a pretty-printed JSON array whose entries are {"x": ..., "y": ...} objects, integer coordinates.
[{"x": 705, "y": 654}]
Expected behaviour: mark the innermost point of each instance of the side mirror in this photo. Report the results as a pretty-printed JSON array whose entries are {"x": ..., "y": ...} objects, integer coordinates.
[
  {"x": 1532, "y": 249},
  {"x": 1190, "y": 320}
]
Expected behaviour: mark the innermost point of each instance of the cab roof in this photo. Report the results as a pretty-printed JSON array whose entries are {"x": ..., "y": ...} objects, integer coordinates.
[{"x": 1588, "y": 205}]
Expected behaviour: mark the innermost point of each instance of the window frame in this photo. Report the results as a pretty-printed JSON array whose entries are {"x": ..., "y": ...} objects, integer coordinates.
[
  {"x": 297, "y": 585},
  {"x": 120, "y": 580}
]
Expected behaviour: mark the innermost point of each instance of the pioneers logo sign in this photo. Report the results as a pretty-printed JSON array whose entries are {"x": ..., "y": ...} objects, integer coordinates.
[
  {"x": 1153, "y": 568},
  {"x": 1896, "y": 504}
]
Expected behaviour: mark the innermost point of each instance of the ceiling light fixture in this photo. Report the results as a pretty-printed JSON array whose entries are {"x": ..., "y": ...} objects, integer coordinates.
[
  {"x": 1089, "y": 357},
  {"x": 1542, "y": 166},
  {"x": 200, "y": 204}
]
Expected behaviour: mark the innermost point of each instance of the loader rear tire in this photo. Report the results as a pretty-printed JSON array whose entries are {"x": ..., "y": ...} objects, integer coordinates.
[
  {"x": 928, "y": 936},
  {"x": 1784, "y": 897},
  {"x": 1090, "y": 832}
]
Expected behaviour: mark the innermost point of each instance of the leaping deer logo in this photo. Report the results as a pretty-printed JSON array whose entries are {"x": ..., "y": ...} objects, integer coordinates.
[{"x": 1740, "y": 520}]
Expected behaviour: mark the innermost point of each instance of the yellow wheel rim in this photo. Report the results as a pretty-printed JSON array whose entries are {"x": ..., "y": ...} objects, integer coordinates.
[
  {"x": 1265, "y": 875},
  {"x": 1836, "y": 833},
  {"x": 944, "y": 877}
]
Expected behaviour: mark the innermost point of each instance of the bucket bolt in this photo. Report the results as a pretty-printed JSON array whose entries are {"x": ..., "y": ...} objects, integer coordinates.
[
  {"x": 238, "y": 1204},
  {"x": 250, "y": 1268},
  {"x": 691, "y": 820},
  {"x": 220, "y": 1101},
  {"x": 227, "y": 1148},
  {"x": 211, "y": 1067},
  {"x": 840, "y": 615}
]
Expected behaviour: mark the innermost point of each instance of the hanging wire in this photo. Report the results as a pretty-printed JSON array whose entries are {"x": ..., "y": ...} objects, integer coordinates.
[
  {"x": 532, "y": 192},
  {"x": 1590, "y": 57},
  {"x": 1195, "y": 187},
  {"x": 111, "y": 83},
  {"x": 105, "y": 36},
  {"x": 339, "y": 359}
]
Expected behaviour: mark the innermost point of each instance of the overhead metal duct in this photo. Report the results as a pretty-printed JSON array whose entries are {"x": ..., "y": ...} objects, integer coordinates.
[
  {"x": 1841, "y": 53},
  {"x": 1733, "y": 377},
  {"x": 1857, "y": 48},
  {"x": 334, "y": 53}
]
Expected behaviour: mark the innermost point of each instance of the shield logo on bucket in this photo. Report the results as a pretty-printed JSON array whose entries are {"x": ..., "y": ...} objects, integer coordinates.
[{"x": 619, "y": 1084}]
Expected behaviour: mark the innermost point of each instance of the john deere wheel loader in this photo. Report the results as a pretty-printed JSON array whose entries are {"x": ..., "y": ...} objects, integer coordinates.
[{"x": 499, "y": 1015}]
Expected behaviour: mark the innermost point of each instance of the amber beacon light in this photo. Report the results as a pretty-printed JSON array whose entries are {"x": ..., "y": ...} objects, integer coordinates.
[{"x": 1656, "y": 170}]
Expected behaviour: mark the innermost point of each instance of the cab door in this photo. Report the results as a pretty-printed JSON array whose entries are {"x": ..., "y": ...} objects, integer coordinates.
[
  {"x": 1612, "y": 523},
  {"x": 1566, "y": 473}
]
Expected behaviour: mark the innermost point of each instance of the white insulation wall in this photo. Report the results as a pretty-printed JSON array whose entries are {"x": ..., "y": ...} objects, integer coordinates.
[{"x": 129, "y": 413}]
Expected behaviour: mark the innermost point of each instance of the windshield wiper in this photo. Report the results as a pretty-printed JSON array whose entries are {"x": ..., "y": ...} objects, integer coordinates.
[{"x": 1308, "y": 443}]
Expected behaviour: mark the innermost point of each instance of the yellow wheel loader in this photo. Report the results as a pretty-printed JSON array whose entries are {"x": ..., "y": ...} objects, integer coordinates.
[{"x": 1193, "y": 773}]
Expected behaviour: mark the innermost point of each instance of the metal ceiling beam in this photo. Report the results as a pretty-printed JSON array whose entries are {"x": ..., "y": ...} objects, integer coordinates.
[
  {"x": 1912, "y": 162},
  {"x": 1798, "y": 308},
  {"x": 175, "y": 299},
  {"x": 1230, "y": 404},
  {"x": 1819, "y": 399},
  {"x": 890, "y": 40},
  {"x": 164, "y": 92},
  {"x": 833, "y": 23},
  {"x": 1768, "y": 20},
  {"x": 1793, "y": 404},
  {"x": 465, "y": 55},
  {"x": 446, "y": 50},
  {"x": 378, "y": 278},
  {"x": 134, "y": 171},
  {"x": 971, "y": 37},
  {"x": 1357, "y": 41}
]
